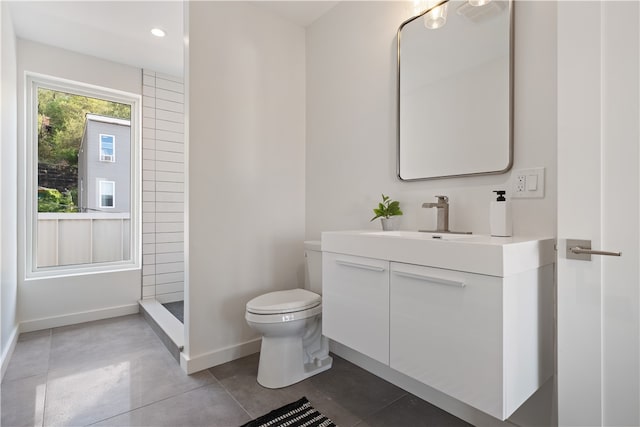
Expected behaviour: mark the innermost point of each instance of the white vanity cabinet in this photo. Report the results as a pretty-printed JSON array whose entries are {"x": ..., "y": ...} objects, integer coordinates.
[
  {"x": 355, "y": 303},
  {"x": 485, "y": 340},
  {"x": 481, "y": 332},
  {"x": 446, "y": 331}
]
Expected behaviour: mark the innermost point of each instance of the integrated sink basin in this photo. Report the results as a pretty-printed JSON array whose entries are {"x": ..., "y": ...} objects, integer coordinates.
[
  {"x": 473, "y": 253},
  {"x": 421, "y": 235}
]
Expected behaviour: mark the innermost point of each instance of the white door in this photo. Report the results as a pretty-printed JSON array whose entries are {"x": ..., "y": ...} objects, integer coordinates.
[{"x": 598, "y": 200}]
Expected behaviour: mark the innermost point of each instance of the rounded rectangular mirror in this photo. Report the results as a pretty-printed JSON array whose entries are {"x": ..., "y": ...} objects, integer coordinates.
[{"x": 455, "y": 90}]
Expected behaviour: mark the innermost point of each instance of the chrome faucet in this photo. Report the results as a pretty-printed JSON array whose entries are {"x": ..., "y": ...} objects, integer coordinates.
[{"x": 443, "y": 213}]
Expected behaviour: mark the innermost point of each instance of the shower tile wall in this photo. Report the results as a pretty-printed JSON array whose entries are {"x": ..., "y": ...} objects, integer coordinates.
[{"x": 162, "y": 187}]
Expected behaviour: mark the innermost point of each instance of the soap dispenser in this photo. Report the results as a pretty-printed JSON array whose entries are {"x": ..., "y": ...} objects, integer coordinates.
[{"x": 500, "y": 216}]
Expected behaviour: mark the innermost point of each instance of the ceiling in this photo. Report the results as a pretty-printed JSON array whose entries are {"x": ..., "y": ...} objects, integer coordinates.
[
  {"x": 120, "y": 30},
  {"x": 302, "y": 12}
]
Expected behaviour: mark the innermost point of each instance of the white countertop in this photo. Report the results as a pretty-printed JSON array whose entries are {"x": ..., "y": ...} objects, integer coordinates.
[{"x": 482, "y": 254}]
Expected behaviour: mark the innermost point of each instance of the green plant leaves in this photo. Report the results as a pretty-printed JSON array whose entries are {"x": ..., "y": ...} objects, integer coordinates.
[
  {"x": 51, "y": 200},
  {"x": 387, "y": 208}
]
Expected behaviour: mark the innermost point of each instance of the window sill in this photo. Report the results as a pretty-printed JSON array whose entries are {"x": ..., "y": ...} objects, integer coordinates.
[{"x": 60, "y": 272}]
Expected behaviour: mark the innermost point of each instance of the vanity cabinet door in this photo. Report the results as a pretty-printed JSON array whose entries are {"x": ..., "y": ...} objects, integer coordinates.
[
  {"x": 446, "y": 331},
  {"x": 355, "y": 303}
]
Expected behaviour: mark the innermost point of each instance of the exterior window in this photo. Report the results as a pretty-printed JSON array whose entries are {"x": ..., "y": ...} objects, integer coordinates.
[
  {"x": 107, "y": 194},
  {"x": 74, "y": 225},
  {"x": 107, "y": 148}
]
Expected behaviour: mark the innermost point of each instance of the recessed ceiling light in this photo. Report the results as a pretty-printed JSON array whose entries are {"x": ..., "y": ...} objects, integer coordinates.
[{"x": 158, "y": 32}]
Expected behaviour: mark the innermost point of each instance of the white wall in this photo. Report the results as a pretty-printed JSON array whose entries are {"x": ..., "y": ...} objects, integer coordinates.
[
  {"x": 351, "y": 140},
  {"x": 246, "y": 173},
  {"x": 45, "y": 303},
  {"x": 351, "y": 125},
  {"x": 8, "y": 180}
]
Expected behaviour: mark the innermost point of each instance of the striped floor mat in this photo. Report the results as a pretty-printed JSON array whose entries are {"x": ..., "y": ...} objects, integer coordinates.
[{"x": 296, "y": 414}]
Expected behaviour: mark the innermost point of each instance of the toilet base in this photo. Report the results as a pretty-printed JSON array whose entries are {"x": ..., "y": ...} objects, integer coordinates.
[{"x": 282, "y": 362}]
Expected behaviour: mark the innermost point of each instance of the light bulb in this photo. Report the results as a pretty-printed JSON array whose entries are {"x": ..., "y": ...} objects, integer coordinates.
[
  {"x": 158, "y": 32},
  {"x": 478, "y": 2},
  {"x": 436, "y": 17}
]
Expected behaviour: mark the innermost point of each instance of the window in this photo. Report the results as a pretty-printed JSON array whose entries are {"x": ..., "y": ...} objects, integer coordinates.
[
  {"x": 107, "y": 148},
  {"x": 107, "y": 194},
  {"x": 74, "y": 224}
]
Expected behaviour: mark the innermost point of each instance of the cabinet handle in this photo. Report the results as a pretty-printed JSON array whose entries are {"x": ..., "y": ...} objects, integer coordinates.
[
  {"x": 437, "y": 280},
  {"x": 361, "y": 266}
]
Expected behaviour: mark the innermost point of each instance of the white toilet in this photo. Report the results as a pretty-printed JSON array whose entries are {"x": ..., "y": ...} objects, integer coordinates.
[{"x": 290, "y": 323}]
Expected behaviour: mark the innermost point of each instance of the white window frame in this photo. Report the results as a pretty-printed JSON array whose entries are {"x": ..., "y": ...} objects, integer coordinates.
[
  {"x": 113, "y": 195},
  {"x": 103, "y": 158},
  {"x": 33, "y": 82}
]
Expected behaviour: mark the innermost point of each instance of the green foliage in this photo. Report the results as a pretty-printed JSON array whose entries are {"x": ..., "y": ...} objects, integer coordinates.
[
  {"x": 51, "y": 200},
  {"x": 61, "y": 119},
  {"x": 387, "y": 208}
]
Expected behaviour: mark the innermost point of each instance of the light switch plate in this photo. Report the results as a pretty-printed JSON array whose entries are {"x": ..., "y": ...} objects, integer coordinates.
[{"x": 528, "y": 183}]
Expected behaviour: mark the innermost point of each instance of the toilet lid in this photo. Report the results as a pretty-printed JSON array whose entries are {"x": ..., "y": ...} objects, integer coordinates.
[{"x": 284, "y": 302}]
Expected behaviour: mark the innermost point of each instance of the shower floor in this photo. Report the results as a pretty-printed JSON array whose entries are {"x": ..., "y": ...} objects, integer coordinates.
[{"x": 177, "y": 309}]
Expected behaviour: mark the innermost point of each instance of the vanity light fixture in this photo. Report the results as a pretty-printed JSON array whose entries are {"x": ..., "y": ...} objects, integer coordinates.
[
  {"x": 158, "y": 32},
  {"x": 435, "y": 11},
  {"x": 436, "y": 17},
  {"x": 479, "y": 2}
]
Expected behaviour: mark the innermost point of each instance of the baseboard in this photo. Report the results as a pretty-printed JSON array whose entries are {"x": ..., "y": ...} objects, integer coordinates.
[
  {"x": 423, "y": 391},
  {"x": 218, "y": 357},
  {"x": 74, "y": 318},
  {"x": 8, "y": 351}
]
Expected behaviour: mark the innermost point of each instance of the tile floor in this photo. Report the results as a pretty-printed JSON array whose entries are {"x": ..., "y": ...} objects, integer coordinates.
[{"x": 116, "y": 372}]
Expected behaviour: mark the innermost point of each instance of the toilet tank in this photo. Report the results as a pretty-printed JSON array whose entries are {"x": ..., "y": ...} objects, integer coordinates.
[{"x": 313, "y": 268}]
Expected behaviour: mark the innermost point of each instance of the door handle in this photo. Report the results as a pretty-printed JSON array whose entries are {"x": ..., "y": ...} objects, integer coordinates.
[{"x": 581, "y": 250}]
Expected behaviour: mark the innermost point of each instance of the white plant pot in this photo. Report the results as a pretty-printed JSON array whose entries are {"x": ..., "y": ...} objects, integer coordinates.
[{"x": 388, "y": 224}]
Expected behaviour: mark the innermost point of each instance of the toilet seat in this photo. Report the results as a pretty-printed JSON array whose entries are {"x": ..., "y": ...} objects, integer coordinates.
[
  {"x": 282, "y": 302},
  {"x": 284, "y": 306},
  {"x": 283, "y": 317}
]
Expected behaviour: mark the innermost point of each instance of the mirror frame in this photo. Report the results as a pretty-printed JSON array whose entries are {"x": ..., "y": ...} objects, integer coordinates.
[{"x": 511, "y": 98}]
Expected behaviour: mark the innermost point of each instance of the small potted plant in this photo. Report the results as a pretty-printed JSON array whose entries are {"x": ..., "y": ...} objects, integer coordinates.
[{"x": 385, "y": 210}]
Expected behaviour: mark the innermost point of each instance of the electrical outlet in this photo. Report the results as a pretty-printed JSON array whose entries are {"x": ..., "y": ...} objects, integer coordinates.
[
  {"x": 528, "y": 183},
  {"x": 521, "y": 183}
]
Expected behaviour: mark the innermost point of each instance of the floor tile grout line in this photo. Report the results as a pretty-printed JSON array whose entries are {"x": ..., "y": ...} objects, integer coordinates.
[
  {"x": 231, "y": 395},
  {"x": 46, "y": 378},
  {"x": 382, "y": 408},
  {"x": 160, "y": 400},
  {"x": 148, "y": 404},
  {"x": 26, "y": 377}
]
